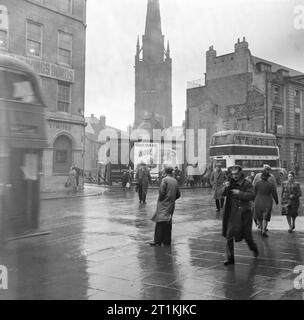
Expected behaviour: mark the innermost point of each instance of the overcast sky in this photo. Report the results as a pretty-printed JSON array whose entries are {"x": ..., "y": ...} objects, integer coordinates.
[{"x": 191, "y": 26}]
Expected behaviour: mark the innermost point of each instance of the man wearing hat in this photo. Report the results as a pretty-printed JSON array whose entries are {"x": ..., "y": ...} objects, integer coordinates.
[
  {"x": 143, "y": 179},
  {"x": 168, "y": 194},
  {"x": 237, "y": 219}
]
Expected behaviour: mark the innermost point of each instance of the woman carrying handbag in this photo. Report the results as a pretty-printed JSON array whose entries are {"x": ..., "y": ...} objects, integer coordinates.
[{"x": 290, "y": 200}]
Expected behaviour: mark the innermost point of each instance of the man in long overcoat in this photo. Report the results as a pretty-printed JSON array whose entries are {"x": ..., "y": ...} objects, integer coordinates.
[
  {"x": 143, "y": 179},
  {"x": 168, "y": 194},
  {"x": 237, "y": 219}
]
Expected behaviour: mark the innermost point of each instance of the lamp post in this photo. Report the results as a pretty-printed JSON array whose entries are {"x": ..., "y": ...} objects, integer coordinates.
[{"x": 83, "y": 146}]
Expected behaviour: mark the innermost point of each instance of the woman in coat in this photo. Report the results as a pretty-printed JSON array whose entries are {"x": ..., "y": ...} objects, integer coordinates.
[
  {"x": 72, "y": 180},
  {"x": 290, "y": 200},
  {"x": 217, "y": 180},
  {"x": 264, "y": 192}
]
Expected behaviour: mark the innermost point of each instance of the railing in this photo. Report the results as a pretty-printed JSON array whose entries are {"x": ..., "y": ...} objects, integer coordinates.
[{"x": 195, "y": 83}]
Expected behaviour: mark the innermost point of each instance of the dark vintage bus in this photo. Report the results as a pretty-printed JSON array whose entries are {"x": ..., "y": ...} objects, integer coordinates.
[
  {"x": 251, "y": 150},
  {"x": 22, "y": 140}
]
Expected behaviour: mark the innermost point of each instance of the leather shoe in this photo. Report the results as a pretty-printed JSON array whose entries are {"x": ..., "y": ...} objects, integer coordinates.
[
  {"x": 256, "y": 253},
  {"x": 228, "y": 262}
]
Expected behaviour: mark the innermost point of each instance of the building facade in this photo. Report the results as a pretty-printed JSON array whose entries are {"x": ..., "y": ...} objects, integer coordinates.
[
  {"x": 50, "y": 36},
  {"x": 244, "y": 92},
  {"x": 153, "y": 73}
]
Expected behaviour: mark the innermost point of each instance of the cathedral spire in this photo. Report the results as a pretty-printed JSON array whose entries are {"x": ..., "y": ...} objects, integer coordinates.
[
  {"x": 168, "y": 50},
  {"x": 153, "y": 22},
  {"x": 137, "y": 46}
]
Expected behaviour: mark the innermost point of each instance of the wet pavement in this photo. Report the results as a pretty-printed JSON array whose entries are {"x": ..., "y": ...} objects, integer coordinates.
[{"x": 98, "y": 249}]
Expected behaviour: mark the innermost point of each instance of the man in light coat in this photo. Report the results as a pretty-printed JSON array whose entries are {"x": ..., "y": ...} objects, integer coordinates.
[{"x": 168, "y": 194}]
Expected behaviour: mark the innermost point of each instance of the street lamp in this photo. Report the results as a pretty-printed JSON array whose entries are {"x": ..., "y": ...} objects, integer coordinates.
[{"x": 83, "y": 145}]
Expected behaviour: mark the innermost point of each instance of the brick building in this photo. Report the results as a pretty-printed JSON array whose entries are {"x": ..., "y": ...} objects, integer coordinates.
[
  {"x": 50, "y": 35},
  {"x": 244, "y": 92}
]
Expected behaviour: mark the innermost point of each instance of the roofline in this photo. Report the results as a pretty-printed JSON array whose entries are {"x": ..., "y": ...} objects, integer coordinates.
[{"x": 243, "y": 132}]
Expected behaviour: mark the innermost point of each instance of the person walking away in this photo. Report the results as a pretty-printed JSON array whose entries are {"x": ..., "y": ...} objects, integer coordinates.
[
  {"x": 124, "y": 180},
  {"x": 271, "y": 177},
  {"x": 217, "y": 180},
  {"x": 237, "y": 218},
  {"x": 177, "y": 175},
  {"x": 190, "y": 177},
  {"x": 264, "y": 192},
  {"x": 258, "y": 177},
  {"x": 72, "y": 180},
  {"x": 290, "y": 200},
  {"x": 143, "y": 179},
  {"x": 251, "y": 177},
  {"x": 168, "y": 194}
]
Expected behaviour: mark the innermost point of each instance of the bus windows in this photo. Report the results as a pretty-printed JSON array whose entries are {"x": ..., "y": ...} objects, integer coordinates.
[
  {"x": 17, "y": 87},
  {"x": 271, "y": 142},
  {"x": 221, "y": 140}
]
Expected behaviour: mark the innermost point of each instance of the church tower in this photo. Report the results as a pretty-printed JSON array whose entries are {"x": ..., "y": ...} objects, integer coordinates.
[{"x": 153, "y": 74}]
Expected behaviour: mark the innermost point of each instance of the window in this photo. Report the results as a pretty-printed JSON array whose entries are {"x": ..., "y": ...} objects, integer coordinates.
[
  {"x": 257, "y": 163},
  {"x": 64, "y": 48},
  {"x": 3, "y": 27},
  {"x": 220, "y": 140},
  {"x": 278, "y": 118},
  {"x": 62, "y": 158},
  {"x": 17, "y": 87},
  {"x": 276, "y": 95},
  {"x": 65, "y": 6},
  {"x": 297, "y": 124},
  {"x": 3, "y": 39},
  {"x": 64, "y": 96},
  {"x": 297, "y": 102},
  {"x": 34, "y": 39}
]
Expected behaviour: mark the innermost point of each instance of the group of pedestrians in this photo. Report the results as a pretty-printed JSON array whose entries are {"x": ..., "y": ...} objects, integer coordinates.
[{"x": 251, "y": 198}]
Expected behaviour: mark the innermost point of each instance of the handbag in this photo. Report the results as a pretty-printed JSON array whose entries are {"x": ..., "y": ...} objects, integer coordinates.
[
  {"x": 285, "y": 209},
  {"x": 68, "y": 183},
  {"x": 128, "y": 185}
]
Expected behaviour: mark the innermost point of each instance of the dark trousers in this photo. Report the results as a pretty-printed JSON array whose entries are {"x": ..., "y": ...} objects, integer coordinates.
[
  {"x": 230, "y": 246},
  {"x": 219, "y": 204},
  {"x": 141, "y": 193},
  {"x": 162, "y": 234}
]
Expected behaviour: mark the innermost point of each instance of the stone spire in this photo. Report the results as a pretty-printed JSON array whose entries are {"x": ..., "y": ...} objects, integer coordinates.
[
  {"x": 153, "y": 40},
  {"x": 153, "y": 23}
]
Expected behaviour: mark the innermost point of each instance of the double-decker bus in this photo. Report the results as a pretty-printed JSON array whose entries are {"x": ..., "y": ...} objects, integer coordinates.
[
  {"x": 251, "y": 150},
  {"x": 22, "y": 140}
]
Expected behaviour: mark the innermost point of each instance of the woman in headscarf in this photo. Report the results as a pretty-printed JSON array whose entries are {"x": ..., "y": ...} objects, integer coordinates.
[
  {"x": 264, "y": 192},
  {"x": 290, "y": 200}
]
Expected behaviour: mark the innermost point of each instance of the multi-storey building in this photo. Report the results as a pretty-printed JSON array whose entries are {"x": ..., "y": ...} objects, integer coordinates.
[
  {"x": 50, "y": 35},
  {"x": 244, "y": 92}
]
